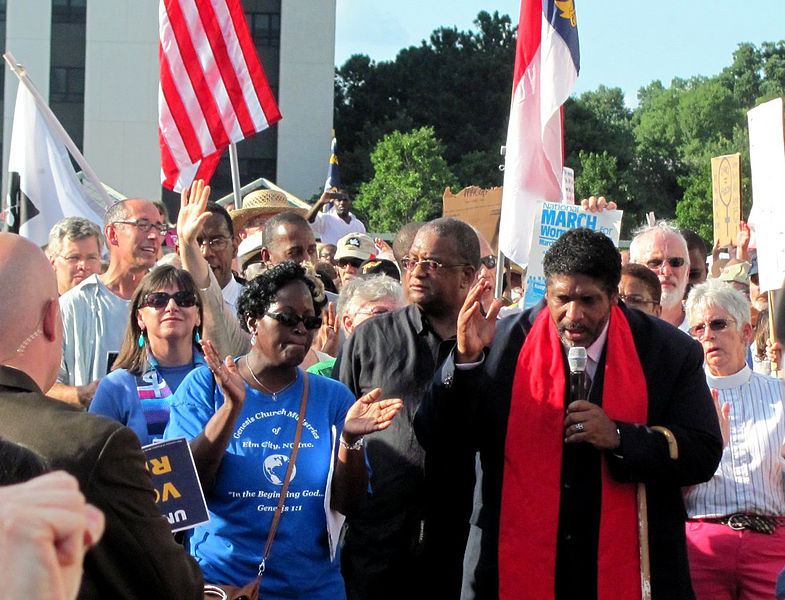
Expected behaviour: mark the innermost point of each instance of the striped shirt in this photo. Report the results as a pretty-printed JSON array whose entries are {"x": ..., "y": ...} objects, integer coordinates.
[{"x": 749, "y": 478}]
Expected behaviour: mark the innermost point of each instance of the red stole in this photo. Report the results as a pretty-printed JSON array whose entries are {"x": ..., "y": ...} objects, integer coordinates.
[{"x": 532, "y": 467}]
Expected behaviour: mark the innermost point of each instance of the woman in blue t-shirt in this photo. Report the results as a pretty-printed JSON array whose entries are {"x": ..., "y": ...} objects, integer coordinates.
[
  {"x": 241, "y": 417},
  {"x": 160, "y": 348}
]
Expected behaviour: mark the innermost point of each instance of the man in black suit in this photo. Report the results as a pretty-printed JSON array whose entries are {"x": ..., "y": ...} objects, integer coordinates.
[
  {"x": 137, "y": 556},
  {"x": 570, "y": 468}
]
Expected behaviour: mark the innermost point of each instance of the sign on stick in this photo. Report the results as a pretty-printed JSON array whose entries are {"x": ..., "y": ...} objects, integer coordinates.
[
  {"x": 726, "y": 191},
  {"x": 550, "y": 221},
  {"x": 767, "y": 159},
  {"x": 478, "y": 207}
]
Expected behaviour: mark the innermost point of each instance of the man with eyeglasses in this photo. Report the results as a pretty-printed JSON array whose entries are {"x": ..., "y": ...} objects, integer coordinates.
[
  {"x": 408, "y": 540},
  {"x": 219, "y": 247},
  {"x": 95, "y": 311},
  {"x": 564, "y": 458},
  {"x": 736, "y": 520},
  {"x": 74, "y": 251},
  {"x": 663, "y": 249}
]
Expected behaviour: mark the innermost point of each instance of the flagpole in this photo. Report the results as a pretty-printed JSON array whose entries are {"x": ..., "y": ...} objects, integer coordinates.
[
  {"x": 21, "y": 73},
  {"x": 235, "y": 164},
  {"x": 499, "y": 275}
]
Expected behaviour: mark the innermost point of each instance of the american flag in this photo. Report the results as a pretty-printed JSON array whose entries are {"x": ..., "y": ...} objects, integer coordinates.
[
  {"x": 213, "y": 90},
  {"x": 546, "y": 67}
]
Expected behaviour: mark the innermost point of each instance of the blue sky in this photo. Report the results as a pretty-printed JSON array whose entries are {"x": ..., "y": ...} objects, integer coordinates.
[{"x": 624, "y": 44}]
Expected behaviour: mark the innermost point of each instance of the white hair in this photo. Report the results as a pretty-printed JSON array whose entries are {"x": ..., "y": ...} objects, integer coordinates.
[
  {"x": 663, "y": 227},
  {"x": 719, "y": 294},
  {"x": 359, "y": 291}
]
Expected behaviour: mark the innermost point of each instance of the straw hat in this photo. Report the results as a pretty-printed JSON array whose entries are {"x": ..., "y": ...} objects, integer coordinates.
[{"x": 262, "y": 202}]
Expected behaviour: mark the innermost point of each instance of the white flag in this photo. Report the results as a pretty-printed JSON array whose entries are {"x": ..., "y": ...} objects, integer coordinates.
[{"x": 43, "y": 187}]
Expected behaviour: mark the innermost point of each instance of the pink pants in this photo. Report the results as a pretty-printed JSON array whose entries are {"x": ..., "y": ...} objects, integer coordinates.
[{"x": 734, "y": 565}]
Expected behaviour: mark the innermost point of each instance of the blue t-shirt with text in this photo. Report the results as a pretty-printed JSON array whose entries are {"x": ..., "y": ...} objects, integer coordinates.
[{"x": 244, "y": 497}]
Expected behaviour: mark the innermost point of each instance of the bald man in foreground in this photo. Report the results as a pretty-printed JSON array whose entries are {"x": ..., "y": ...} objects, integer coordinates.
[{"x": 137, "y": 556}]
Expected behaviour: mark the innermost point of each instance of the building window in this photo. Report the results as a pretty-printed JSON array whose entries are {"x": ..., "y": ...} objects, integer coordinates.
[
  {"x": 69, "y": 11},
  {"x": 66, "y": 84},
  {"x": 265, "y": 28}
]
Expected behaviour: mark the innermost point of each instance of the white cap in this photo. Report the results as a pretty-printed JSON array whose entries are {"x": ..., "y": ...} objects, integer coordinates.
[{"x": 248, "y": 249}]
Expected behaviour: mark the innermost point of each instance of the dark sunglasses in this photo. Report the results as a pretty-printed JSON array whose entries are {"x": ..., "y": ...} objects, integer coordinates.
[
  {"x": 713, "y": 325},
  {"x": 489, "y": 262},
  {"x": 292, "y": 320},
  {"x": 674, "y": 261},
  {"x": 354, "y": 262},
  {"x": 161, "y": 299}
]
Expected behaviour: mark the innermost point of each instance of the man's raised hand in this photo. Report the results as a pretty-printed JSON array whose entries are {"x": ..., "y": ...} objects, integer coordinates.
[{"x": 475, "y": 329}]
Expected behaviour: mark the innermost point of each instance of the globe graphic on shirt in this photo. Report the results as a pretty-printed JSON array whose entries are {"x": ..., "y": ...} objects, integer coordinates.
[{"x": 274, "y": 468}]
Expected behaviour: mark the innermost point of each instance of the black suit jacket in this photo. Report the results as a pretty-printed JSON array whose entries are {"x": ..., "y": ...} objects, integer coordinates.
[
  {"x": 468, "y": 411},
  {"x": 137, "y": 556}
]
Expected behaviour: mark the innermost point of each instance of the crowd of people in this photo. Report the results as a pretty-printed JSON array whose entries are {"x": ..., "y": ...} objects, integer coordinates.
[{"x": 368, "y": 421}]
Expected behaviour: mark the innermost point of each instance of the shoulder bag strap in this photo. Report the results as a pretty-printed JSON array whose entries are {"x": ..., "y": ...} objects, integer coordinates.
[{"x": 288, "y": 477}]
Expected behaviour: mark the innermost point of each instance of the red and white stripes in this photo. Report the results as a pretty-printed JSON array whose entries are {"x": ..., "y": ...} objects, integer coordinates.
[{"x": 213, "y": 90}]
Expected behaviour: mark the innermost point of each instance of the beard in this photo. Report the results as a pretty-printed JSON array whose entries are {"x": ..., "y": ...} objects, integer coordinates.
[{"x": 672, "y": 296}]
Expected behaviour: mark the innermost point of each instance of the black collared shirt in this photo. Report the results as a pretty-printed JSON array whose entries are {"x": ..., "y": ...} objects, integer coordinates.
[{"x": 399, "y": 352}]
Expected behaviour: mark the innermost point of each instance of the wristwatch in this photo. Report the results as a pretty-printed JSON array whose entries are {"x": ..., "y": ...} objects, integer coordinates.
[{"x": 358, "y": 445}]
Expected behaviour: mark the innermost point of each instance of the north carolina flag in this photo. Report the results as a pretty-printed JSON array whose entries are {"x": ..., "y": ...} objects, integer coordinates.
[{"x": 547, "y": 62}]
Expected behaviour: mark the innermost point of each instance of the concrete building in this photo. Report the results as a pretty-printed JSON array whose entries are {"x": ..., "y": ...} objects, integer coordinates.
[{"x": 97, "y": 63}]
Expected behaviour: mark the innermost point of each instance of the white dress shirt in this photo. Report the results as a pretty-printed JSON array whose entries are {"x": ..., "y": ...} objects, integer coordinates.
[{"x": 749, "y": 478}]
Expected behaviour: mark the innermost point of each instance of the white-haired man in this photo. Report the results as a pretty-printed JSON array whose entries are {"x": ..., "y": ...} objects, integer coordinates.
[
  {"x": 663, "y": 249},
  {"x": 736, "y": 520}
]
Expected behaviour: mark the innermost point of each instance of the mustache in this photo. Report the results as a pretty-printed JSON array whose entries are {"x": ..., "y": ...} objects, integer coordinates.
[{"x": 572, "y": 326}]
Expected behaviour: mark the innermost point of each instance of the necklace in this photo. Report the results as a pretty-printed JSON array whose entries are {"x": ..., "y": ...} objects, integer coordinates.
[{"x": 264, "y": 387}]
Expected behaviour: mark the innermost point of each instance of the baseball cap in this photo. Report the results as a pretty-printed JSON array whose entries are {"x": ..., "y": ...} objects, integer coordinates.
[{"x": 355, "y": 245}]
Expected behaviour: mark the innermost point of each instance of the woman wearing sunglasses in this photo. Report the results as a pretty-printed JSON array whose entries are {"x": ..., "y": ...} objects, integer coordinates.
[
  {"x": 159, "y": 349},
  {"x": 241, "y": 417}
]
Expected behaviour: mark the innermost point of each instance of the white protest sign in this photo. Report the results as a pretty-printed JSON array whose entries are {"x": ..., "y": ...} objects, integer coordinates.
[
  {"x": 550, "y": 221},
  {"x": 767, "y": 159},
  {"x": 568, "y": 185}
]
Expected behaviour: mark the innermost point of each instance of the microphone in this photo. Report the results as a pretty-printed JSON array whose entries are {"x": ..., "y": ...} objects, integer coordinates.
[{"x": 576, "y": 359}]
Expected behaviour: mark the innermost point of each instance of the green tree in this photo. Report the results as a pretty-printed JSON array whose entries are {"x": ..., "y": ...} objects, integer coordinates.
[
  {"x": 457, "y": 82},
  {"x": 410, "y": 175}
]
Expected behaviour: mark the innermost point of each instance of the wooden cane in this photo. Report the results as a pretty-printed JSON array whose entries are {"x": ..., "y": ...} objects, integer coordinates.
[
  {"x": 643, "y": 517},
  {"x": 643, "y": 542},
  {"x": 775, "y": 372}
]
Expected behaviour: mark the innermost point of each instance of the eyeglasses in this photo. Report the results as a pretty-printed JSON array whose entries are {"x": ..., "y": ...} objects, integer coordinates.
[
  {"x": 426, "y": 264},
  {"x": 159, "y": 300},
  {"x": 373, "y": 311},
  {"x": 714, "y": 325},
  {"x": 634, "y": 300},
  {"x": 310, "y": 323},
  {"x": 75, "y": 259},
  {"x": 674, "y": 261},
  {"x": 354, "y": 262},
  {"x": 216, "y": 243},
  {"x": 144, "y": 225},
  {"x": 489, "y": 262}
]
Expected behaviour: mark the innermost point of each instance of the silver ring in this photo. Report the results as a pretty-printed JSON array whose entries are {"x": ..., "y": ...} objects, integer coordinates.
[{"x": 578, "y": 427}]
